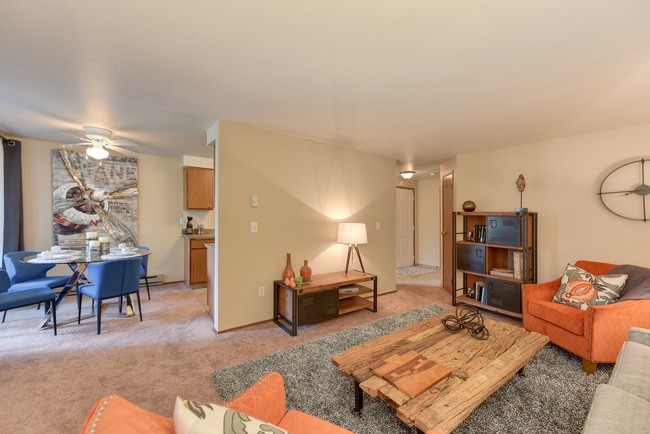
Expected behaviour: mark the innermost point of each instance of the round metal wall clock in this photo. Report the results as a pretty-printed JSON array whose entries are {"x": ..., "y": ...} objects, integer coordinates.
[{"x": 624, "y": 190}]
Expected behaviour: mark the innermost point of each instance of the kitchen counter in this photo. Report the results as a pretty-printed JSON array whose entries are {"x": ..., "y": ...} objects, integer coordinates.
[{"x": 206, "y": 235}]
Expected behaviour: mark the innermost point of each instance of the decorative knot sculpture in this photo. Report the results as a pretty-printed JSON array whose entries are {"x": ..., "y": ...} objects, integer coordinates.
[{"x": 467, "y": 317}]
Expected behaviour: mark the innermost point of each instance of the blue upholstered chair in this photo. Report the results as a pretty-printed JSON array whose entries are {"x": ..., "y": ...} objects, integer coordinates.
[
  {"x": 26, "y": 275},
  {"x": 25, "y": 297},
  {"x": 143, "y": 269},
  {"x": 111, "y": 279}
]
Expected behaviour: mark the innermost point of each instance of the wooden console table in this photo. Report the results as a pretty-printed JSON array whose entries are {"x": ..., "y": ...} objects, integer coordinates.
[{"x": 326, "y": 296}]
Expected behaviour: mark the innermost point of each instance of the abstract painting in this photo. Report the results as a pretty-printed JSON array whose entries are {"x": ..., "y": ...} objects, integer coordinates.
[{"x": 94, "y": 196}]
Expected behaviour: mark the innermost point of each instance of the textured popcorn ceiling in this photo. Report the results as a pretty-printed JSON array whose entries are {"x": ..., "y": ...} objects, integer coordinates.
[{"x": 419, "y": 81}]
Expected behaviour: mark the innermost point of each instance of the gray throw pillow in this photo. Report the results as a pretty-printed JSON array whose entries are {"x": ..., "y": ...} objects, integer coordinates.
[{"x": 637, "y": 286}]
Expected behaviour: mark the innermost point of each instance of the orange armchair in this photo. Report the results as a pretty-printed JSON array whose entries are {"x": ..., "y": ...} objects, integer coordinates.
[{"x": 596, "y": 334}]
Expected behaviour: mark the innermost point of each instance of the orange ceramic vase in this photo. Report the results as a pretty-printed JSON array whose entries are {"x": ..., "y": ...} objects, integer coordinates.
[
  {"x": 305, "y": 272},
  {"x": 288, "y": 269}
]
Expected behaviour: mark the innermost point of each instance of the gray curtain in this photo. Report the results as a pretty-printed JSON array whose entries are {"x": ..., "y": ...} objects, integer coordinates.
[{"x": 13, "y": 190}]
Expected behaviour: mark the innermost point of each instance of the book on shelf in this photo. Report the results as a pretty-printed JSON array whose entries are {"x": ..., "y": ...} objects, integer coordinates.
[
  {"x": 517, "y": 264},
  {"x": 480, "y": 233},
  {"x": 480, "y": 292},
  {"x": 350, "y": 289},
  {"x": 503, "y": 272}
]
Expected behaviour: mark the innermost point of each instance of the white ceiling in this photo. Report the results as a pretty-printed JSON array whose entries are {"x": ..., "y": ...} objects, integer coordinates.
[{"x": 419, "y": 81}]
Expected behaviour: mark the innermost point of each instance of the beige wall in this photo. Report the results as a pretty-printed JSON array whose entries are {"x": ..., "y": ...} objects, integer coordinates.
[
  {"x": 304, "y": 189},
  {"x": 562, "y": 179},
  {"x": 428, "y": 227},
  {"x": 160, "y": 206}
]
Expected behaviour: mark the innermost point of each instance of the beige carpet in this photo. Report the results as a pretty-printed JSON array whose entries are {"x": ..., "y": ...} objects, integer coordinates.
[{"x": 50, "y": 383}]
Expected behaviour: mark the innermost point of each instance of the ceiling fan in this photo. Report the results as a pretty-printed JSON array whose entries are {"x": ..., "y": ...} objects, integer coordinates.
[{"x": 98, "y": 141}]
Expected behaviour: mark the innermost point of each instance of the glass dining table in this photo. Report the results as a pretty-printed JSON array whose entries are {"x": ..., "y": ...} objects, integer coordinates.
[{"x": 78, "y": 260}]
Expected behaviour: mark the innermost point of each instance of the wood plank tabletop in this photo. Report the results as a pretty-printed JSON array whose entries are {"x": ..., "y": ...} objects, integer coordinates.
[{"x": 479, "y": 368}]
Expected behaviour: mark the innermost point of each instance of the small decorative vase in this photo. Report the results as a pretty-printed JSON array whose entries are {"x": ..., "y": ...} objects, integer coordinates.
[
  {"x": 288, "y": 269},
  {"x": 469, "y": 206},
  {"x": 305, "y": 272}
]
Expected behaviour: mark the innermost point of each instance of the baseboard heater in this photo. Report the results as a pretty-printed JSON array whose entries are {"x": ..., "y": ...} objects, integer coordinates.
[{"x": 156, "y": 279}]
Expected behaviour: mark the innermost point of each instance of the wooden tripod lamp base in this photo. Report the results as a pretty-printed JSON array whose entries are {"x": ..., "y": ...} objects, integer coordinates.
[{"x": 347, "y": 264}]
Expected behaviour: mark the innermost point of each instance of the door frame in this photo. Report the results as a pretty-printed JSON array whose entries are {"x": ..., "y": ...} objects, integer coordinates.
[
  {"x": 413, "y": 215},
  {"x": 447, "y": 242}
]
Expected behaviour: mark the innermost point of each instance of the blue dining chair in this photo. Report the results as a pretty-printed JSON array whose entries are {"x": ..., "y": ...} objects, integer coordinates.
[
  {"x": 143, "y": 269},
  {"x": 110, "y": 279},
  {"x": 26, "y": 275},
  {"x": 25, "y": 297}
]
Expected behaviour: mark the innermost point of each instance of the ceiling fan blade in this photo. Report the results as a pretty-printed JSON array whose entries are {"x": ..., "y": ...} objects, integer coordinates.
[
  {"x": 123, "y": 142},
  {"x": 68, "y": 145},
  {"x": 71, "y": 135},
  {"x": 121, "y": 150}
]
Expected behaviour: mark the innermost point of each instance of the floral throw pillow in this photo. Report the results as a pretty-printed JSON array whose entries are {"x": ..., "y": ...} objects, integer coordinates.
[
  {"x": 579, "y": 288},
  {"x": 193, "y": 417}
]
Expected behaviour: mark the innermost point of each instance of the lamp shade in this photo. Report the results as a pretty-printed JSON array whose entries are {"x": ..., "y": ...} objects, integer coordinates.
[{"x": 352, "y": 233}]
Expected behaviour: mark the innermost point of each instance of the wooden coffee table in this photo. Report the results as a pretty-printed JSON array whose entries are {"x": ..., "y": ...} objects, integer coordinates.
[{"x": 478, "y": 369}]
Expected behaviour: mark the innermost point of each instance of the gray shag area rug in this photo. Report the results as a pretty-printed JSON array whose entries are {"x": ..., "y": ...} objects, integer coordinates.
[{"x": 552, "y": 395}]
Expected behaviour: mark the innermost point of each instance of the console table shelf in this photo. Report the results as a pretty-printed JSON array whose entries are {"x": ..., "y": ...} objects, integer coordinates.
[{"x": 326, "y": 296}]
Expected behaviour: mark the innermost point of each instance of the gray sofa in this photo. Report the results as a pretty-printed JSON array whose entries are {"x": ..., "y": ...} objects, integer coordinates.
[{"x": 623, "y": 404}]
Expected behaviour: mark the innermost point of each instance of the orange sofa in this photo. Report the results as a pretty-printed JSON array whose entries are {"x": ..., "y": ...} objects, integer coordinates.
[
  {"x": 596, "y": 334},
  {"x": 264, "y": 400}
]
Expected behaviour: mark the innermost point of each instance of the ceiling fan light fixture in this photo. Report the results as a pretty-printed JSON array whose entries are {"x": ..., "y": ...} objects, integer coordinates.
[
  {"x": 97, "y": 151},
  {"x": 407, "y": 174}
]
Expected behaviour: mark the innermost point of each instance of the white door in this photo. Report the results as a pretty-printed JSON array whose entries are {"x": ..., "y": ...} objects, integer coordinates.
[{"x": 405, "y": 253}]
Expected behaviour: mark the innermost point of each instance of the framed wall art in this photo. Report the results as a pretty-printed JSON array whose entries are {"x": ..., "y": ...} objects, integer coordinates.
[{"x": 91, "y": 195}]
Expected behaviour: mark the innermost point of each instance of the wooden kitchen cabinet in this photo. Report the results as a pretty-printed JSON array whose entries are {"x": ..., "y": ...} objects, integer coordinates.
[
  {"x": 196, "y": 260},
  {"x": 198, "y": 187}
]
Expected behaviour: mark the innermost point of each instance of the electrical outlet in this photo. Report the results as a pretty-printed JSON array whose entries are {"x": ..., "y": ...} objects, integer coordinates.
[
  {"x": 253, "y": 226},
  {"x": 254, "y": 201},
  {"x": 378, "y": 226},
  {"x": 183, "y": 221},
  {"x": 260, "y": 291}
]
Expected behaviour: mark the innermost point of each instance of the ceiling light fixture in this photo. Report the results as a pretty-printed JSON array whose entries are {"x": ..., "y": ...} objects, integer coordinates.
[
  {"x": 97, "y": 151},
  {"x": 407, "y": 174}
]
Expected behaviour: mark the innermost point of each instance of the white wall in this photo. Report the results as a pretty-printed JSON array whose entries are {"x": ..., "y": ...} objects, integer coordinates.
[
  {"x": 562, "y": 179},
  {"x": 428, "y": 228},
  {"x": 160, "y": 206}
]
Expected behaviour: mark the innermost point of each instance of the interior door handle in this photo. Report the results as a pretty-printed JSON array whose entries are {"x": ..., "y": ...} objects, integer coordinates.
[{"x": 444, "y": 232}]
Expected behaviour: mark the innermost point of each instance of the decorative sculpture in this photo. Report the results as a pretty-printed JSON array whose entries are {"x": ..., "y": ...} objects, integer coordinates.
[{"x": 521, "y": 186}]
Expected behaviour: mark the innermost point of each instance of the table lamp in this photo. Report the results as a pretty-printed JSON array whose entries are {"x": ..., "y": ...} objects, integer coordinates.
[{"x": 352, "y": 234}]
